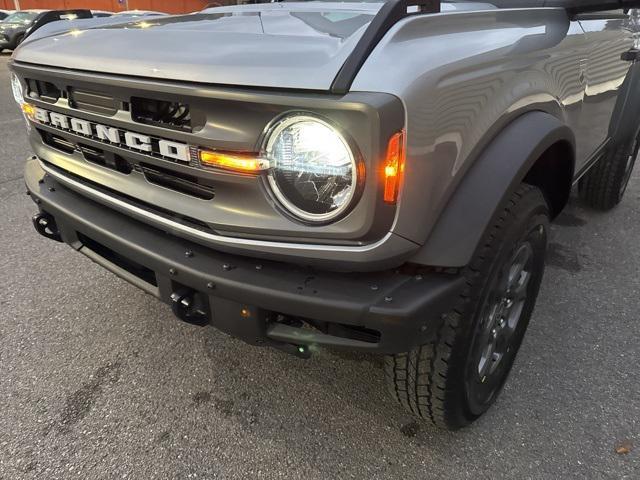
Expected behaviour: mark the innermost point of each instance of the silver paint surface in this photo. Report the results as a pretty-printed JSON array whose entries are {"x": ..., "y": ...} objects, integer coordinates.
[
  {"x": 462, "y": 75},
  {"x": 300, "y": 46}
]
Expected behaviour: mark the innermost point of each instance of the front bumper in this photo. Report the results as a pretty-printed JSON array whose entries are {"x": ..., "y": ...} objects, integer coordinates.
[{"x": 260, "y": 302}]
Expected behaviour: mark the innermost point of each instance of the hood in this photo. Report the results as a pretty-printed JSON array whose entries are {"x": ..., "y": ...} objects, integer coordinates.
[{"x": 280, "y": 45}]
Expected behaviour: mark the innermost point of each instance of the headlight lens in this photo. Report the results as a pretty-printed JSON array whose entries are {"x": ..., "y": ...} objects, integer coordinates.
[
  {"x": 16, "y": 86},
  {"x": 313, "y": 171}
]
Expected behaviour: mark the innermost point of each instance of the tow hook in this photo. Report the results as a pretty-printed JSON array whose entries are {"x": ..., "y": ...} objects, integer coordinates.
[
  {"x": 46, "y": 226},
  {"x": 190, "y": 306}
]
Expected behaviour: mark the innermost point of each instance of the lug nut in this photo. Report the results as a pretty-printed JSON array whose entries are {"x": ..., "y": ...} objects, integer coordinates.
[
  {"x": 211, "y": 285},
  {"x": 388, "y": 299},
  {"x": 173, "y": 271},
  {"x": 188, "y": 254}
]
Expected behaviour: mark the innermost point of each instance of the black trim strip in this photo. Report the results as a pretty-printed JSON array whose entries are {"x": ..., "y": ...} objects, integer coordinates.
[
  {"x": 391, "y": 13},
  {"x": 572, "y": 6}
]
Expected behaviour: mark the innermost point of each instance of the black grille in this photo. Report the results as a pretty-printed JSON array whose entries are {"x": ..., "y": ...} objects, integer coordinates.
[{"x": 161, "y": 212}]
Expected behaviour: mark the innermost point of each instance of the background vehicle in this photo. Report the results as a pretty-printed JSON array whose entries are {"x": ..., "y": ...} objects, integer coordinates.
[
  {"x": 371, "y": 177},
  {"x": 25, "y": 25},
  {"x": 5, "y": 13},
  {"x": 78, "y": 24},
  {"x": 14, "y": 27}
]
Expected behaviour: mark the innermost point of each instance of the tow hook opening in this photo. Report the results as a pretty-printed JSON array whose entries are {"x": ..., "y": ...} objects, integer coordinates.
[
  {"x": 190, "y": 306},
  {"x": 46, "y": 226}
]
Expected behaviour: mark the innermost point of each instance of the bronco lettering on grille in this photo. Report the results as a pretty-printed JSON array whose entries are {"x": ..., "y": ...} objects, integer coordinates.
[{"x": 136, "y": 141}]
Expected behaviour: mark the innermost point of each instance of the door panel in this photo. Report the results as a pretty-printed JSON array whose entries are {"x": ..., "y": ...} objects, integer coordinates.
[{"x": 608, "y": 36}]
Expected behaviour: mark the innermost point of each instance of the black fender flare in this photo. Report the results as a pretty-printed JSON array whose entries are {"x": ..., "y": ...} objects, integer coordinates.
[
  {"x": 493, "y": 177},
  {"x": 625, "y": 124}
]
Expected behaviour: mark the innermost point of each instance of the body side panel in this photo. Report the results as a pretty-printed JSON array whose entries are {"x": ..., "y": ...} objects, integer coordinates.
[
  {"x": 463, "y": 78},
  {"x": 608, "y": 35}
]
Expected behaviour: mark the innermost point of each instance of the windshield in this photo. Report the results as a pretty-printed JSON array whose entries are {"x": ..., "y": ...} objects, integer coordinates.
[{"x": 20, "y": 17}]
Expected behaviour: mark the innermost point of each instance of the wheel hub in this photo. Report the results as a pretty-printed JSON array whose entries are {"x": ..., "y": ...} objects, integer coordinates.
[{"x": 504, "y": 309}]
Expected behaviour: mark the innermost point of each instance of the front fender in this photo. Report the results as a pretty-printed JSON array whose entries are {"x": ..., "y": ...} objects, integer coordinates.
[{"x": 495, "y": 175}]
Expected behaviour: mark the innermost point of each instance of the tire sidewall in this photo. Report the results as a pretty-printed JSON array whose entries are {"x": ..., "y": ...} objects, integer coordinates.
[{"x": 532, "y": 224}]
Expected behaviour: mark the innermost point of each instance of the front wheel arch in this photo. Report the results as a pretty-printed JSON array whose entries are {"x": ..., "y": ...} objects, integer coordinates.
[
  {"x": 527, "y": 147},
  {"x": 553, "y": 174}
]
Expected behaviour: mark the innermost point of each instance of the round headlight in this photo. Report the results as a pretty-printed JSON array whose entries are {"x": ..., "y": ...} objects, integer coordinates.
[
  {"x": 313, "y": 170},
  {"x": 16, "y": 86}
]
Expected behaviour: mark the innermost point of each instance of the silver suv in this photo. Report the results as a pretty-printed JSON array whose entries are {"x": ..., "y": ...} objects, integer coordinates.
[{"x": 367, "y": 176}]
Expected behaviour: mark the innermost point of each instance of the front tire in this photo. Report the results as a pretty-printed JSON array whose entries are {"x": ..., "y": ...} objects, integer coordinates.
[
  {"x": 455, "y": 378},
  {"x": 605, "y": 184}
]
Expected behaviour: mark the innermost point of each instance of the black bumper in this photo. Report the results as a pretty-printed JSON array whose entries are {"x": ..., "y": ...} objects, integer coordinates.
[{"x": 258, "y": 301}]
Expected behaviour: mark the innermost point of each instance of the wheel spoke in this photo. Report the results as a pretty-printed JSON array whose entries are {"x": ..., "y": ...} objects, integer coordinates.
[
  {"x": 519, "y": 291},
  {"x": 518, "y": 266},
  {"x": 484, "y": 365}
]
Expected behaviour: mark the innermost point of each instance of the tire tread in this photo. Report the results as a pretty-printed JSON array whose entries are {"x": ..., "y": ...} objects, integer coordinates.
[{"x": 421, "y": 380}]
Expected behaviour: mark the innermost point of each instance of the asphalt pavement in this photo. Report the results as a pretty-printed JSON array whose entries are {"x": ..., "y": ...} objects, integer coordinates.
[{"x": 98, "y": 380}]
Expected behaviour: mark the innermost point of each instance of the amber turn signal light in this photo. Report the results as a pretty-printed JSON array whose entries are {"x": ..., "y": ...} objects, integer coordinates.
[
  {"x": 233, "y": 161},
  {"x": 394, "y": 167},
  {"x": 29, "y": 110}
]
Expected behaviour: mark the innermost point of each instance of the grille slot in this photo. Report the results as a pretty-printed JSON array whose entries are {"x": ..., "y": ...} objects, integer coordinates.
[
  {"x": 105, "y": 159},
  {"x": 161, "y": 113},
  {"x": 44, "y": 91},
  {"x": 179, "y": 182},
  {"x": 94, "y": 102},
  {"x": 57, "y": 142},
  {"x": 140, "y": 271}
]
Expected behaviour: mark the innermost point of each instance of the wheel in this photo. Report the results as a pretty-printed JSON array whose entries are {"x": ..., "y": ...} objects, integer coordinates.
[
  {"x": 454, "y": 379},
  {"x": 605, "y": 183}
]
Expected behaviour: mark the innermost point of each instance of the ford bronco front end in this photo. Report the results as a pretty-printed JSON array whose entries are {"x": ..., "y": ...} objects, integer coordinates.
[{"x": 374, "y": 177}]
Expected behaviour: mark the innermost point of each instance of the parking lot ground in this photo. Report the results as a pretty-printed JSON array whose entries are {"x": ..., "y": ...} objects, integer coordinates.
[{"x": 98, "y": 380}]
